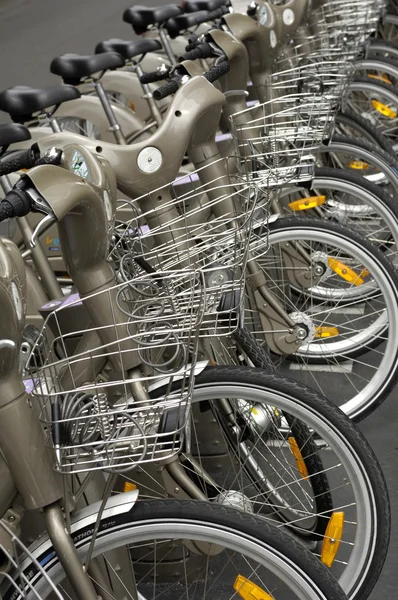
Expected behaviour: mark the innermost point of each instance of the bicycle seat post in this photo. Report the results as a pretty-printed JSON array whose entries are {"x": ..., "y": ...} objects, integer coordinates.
[
  {"x": 164, "y": 38},
  {"x": 110, "y": 115}
]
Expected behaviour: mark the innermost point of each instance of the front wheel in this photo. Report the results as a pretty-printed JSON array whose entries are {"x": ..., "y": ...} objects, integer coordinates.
[
  {"x": 221, "y": 553},
  {"x": 348, "y": 312}
]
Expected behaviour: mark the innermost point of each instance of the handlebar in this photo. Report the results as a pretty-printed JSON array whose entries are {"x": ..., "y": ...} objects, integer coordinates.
[
  {"x": 180, "y": 23},
  {"x": 17, "y": 203},
  {"x": 201, "y": 50},
  {"x": 26, "y": 159},
  {"x": 154, "y": 76},
  {"x": 171, "y": 87},
  {"x": 217, "y": 71},
  {"x": 16, "y": 161},
  {"x": 165, "y": 90}
]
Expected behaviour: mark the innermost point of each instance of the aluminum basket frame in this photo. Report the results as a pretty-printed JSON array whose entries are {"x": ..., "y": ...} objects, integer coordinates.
[
  {"x": 96, "y": 422},
  {"x": 208, "y": 228},
  {"x": 277, "y": 141}
]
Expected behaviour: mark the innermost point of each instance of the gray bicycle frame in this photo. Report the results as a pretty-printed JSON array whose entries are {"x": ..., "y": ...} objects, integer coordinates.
[{"x": 22, "y": 441}]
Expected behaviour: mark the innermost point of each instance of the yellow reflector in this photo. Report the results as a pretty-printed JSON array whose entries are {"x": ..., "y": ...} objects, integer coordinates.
[
  {"x": 383, "y": 77},
  {"x": 358, "y": 164},
  {"x": 249, "y": 590},
  {"x": 345, "y": 272},
  {"x": 384, "y": 109},
  {"x": 332, "y": 539},
  {"x": 326, "y": 332},
  {"x": 132, "y": 105},
  {"x": 298, "y": 457},
  {"x": 306, "y": 203},
  {"x": 129, "y": 487}
]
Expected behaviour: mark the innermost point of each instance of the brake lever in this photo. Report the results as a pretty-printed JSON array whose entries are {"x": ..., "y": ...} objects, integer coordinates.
[{"x": 41, "y": 227}]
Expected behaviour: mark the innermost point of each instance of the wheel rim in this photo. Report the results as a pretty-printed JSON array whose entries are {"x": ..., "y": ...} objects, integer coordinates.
[
  {"x": 375, "y": 104},
  {"x": 260, "y": 559},
  {"x": 368, "y": 375}
]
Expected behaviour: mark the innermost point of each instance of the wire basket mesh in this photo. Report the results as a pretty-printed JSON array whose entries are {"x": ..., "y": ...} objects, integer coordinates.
[
  {"x": 100, "y": 411},
  {"x": 202, "y": 221},
  {"x": 16, "y": 580},
  {"x": 277, "y": 141}
]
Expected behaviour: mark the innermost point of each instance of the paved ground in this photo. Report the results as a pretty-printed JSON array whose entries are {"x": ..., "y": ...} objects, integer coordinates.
[{"x": 32, "y": 32}]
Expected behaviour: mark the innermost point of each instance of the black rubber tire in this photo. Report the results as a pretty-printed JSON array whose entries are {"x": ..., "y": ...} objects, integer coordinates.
[
  {"x": 372, "y": 135},
  {"x": 384, "y": 50},
  {"x": 178, "y": 511},
  {"x": 250, "y": 346},
  {"x": 336, "y": 418}
]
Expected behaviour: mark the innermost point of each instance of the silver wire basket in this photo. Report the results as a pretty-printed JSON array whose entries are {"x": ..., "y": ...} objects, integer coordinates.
[
  {"x": 17, "y": 582},
  {"x": 203, "y": 222},
  {"x": 344, "y": 26},
  {"x": 277, "y": 141},
  {"x": 116, "y": 395}
]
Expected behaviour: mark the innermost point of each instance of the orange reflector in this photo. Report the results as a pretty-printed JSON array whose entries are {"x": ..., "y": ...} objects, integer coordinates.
[
  {"x": 364, "y": 273},
  {"x": 249, "y": 590},
  {"x": 383, "y": 77},
  {"x": 306, "y": 203},
  {"x": 384, "y": 109},
  {"x": 326, "y": 332},
  {"x": 132, "y": 105},
  {"x": 345, "y": 272},
  {"x": 129, "y": 487},
  {"x": 332, "y": 539},
  {"x": 358, "y": 164},
  {"x": 298, "y": 457}
]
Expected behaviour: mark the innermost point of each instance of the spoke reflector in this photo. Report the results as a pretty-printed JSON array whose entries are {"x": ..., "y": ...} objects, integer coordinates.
[
  {"x": 345, "y": 272},
  {"x": 132, "y": 106},
  {"x": 298, "y": 457},
  {"x": 129, "y": 487},
  {"x": 332, "y": 539},
  {"x": 326, "y": 332},
  {"x": 364, "y": 273},
  {"x": 359, "y": 164},
  {"x": 384, "y": 109},
  {"x": 383, "y": 77},
  {"x": 249, "y": 590},
  {"x": 306, "y": 203}
]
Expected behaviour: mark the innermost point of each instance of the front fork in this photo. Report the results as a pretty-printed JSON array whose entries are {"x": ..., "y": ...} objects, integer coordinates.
[{"x": 282, "y": 334}]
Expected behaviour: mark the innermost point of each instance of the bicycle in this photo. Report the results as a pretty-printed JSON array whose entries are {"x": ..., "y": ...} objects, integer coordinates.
[{"x": 97, "y": 536}]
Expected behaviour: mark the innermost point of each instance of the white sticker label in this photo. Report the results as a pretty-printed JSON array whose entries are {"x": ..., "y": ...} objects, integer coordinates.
[
  {"x": 17, "y": 300},
  {"x": 273, "y": 39},
  {"x": 288, "y": 16},
  {"x": 149, "y": 159}
]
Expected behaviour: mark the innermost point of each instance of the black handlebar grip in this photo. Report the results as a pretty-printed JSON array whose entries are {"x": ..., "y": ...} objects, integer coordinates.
[
  {"x": 182, "y": 22},
  {"x": 154, "y": 76},
  {"x": 217, "y": 71},
  {"x": 17, "y": 203},
  {"x": 202, "y": 50},
  {"x": 17, "y": 161},
  {"x": 166, "y": 90}
]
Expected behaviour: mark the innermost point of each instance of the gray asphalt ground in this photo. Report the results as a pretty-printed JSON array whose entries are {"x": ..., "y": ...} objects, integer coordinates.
[{"x": 32, "y": 33}]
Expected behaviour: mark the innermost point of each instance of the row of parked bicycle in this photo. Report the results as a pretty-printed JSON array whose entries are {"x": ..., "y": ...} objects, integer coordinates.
[{"x": 199, "y": 301}]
